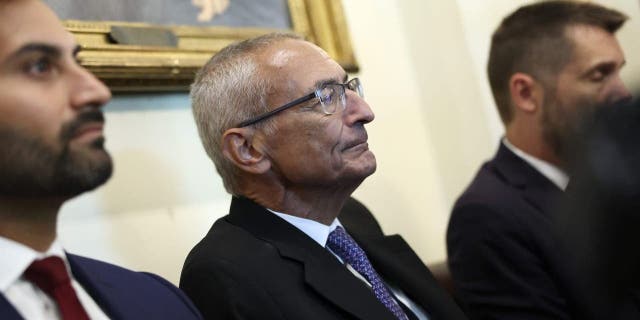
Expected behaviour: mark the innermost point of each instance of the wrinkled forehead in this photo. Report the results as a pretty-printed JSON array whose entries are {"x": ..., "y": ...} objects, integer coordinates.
[
  {"x": 296, "y": 66},
  {"x": 291, "y": 51},
  {"x": 30, "y": 21}
]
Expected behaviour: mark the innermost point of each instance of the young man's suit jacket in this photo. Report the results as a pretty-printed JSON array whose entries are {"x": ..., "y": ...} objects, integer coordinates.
[
  {"x": 123, "y": 294},
  {"x": 505, "y": 257},
  {"x": 254, "y": 265}
]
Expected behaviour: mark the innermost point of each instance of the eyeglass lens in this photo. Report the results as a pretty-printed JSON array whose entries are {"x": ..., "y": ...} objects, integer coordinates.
[{"x": 331, "y": 94}]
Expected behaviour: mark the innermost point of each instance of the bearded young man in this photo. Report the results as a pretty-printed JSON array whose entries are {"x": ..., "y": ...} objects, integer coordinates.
[
  {"x": 52, "y": 150},
  {"x": 551, "y": 63}
]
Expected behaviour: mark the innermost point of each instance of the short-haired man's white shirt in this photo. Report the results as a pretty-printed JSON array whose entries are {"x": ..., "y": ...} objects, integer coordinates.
[
  {"x": 551, "y": 172},
  {"x": 31, "y": 302},
  {"x": 320, "y": 233}
]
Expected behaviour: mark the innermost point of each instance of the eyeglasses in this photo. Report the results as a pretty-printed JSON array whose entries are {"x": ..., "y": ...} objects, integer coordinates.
[{"x": 330, "y": 96}]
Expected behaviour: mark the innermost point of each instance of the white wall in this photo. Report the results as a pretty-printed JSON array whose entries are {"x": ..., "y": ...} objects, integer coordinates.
[{"x": 422, "y": 66}]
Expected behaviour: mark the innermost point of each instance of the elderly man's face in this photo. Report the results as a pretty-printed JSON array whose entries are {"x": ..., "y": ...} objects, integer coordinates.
[
  {"x": 312, "y": 149},
  {"x": 50, "y": 118},
  {"x": 590, "y": 79}
]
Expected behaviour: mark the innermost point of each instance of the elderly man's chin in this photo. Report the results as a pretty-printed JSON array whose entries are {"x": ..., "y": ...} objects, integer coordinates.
[
  {"x": 370, "y": 162},
  {"x": 364, "y": 164}
]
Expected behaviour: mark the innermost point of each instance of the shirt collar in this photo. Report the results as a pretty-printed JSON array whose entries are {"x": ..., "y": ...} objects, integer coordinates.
[
  {"x": 315, "y": 230},
  {"x": 17, "y": 257},
  {"x": 551, "y": 172}
]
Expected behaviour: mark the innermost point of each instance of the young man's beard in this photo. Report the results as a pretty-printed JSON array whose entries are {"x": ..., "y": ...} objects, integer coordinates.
[
  {"x": 31, "y": 168},
  {"x": 561, "y": 125}
]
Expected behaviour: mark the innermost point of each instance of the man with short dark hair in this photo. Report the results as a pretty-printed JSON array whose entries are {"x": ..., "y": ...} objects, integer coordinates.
[
  {"x": 550, "y": 64},
  {"x": 52, "y": 150},
  {"x": 285, "y": 127}
]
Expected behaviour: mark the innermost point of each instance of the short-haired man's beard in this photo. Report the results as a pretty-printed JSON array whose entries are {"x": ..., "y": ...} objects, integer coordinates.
[
  {"x": 561, "y": 124},
  {"x": 31, "y": 168}
]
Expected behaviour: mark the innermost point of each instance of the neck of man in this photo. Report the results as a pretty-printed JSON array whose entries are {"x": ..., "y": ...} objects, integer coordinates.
[
  {"x": 528, "y": 138},
  {"x": 30, "y": 221},
  {"x": 322, "y": 205}
]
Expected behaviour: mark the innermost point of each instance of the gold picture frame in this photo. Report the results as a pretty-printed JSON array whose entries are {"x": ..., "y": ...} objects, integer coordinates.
[{"x": 127, "y": 68}]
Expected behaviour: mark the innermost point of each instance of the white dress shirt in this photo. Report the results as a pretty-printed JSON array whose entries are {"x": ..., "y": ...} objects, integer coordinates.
[
  {"x": 31, "y": 302},
  {"x": 320, "y": 233},
  {"x": 551, "y": 172}
]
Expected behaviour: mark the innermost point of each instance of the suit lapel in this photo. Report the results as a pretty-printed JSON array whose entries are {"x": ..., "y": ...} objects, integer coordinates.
[
  {"x": 537, "y": 190},
  {"x": 333, "y": 281},
  {"x": 96, "y": 286},
  {"x": 7, "y": 310},
  {"x": 543, "y": 196},
  {"x": 398, "y": 264},
  {"x": 323, "y": 272}
]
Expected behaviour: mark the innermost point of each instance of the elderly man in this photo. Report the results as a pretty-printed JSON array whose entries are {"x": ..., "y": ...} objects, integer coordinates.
[
  {"x": 52, "y": 150},
  {"x": 285, "y": 128},
  {"x": 550, "y": 64}
]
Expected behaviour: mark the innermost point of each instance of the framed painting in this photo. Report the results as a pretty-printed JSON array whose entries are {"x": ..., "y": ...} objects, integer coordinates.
[{"x": 158, "y": 45}]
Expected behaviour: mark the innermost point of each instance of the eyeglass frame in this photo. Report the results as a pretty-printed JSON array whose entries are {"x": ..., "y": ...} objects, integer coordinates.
[{"x": 314, "y": 94}]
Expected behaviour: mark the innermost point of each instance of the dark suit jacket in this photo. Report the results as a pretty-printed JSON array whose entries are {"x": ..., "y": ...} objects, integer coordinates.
[
  {"x": 504, "y": 256},
  {"x": 254, "y": 265},
  {"x": 123, "y": 294},
  {"x": 599, "y": 219}
]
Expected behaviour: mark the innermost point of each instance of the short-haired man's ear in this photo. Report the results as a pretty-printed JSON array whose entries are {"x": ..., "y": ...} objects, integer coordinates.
[
  {"x": 526, "y": 93},
  {"x": 238, "y": 146}
]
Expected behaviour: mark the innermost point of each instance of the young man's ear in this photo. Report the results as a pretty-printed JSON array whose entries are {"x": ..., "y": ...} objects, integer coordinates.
[
  {"x": 238, "y": 146},
  {"x": 526, "y": 93}
]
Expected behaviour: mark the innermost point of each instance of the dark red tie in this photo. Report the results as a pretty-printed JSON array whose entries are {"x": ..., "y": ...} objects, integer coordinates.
[{"x": 50, "y": 275}]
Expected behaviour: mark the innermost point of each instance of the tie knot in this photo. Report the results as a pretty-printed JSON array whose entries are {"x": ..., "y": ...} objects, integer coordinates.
[
  {"x": 48, "y": 274},
  {"x": 51, "y": 276},
  {"x": 341, "y": 243},
  {"x": 338, "y": 234}
]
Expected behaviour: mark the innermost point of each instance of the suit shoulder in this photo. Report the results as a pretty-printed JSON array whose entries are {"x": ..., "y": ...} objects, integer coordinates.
[
  {"x": 228, "y": 242},
  {"x": 134, "y": 280},
  {"x": 101, "y": 267},
  {"x": 227, "y": 274},
  {"x": 490, "y": 206},
  {"x": 126, "y": 288},
  {"x": 488, "y": 190},
  {"x": 229, "y": 249}
]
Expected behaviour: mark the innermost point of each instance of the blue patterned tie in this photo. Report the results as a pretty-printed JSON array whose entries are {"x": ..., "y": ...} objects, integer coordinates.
[{"x": 348, "y": 250}]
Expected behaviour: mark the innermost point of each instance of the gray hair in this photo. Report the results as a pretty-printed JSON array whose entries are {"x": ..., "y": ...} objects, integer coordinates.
[{"x": 227, "y": 90}]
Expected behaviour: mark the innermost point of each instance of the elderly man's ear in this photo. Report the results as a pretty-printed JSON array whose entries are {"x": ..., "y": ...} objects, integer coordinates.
[{"x": 241, "y": 147}]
